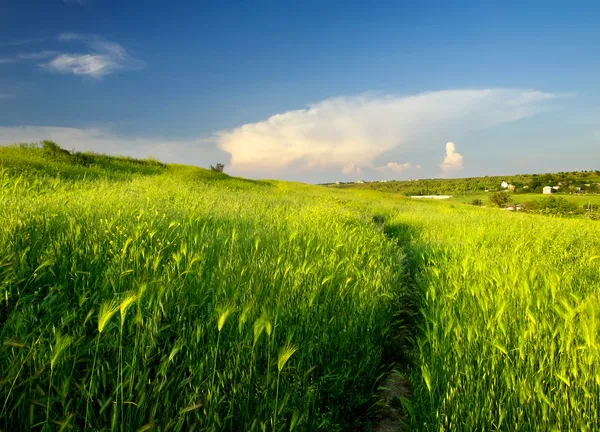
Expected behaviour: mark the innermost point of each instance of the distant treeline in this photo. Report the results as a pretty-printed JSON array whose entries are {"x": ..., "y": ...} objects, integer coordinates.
[{"x": 575, "y": 182}]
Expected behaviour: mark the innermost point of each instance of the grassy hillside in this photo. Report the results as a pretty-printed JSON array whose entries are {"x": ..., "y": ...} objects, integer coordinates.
[
  {"x": 138, "y": 295},
  {"x": 172, "y": 296}
]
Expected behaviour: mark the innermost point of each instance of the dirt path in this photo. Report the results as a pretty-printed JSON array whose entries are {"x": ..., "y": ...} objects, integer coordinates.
[{"x": 393, "y": 417}]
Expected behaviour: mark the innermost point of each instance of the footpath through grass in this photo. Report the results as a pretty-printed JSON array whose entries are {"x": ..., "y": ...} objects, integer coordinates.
[{"x": 169, "y": 297}]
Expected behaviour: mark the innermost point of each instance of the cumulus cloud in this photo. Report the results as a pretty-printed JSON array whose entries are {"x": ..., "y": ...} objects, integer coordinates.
[
  {"x": 337, "y": 132},
  {"x": 453, "y": 161},
  {"x": 199, "y": 151},
  {"x": 352, "y": 170}
]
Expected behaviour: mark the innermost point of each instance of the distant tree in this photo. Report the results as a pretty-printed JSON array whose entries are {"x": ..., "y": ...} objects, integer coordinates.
[
  {"x": 555, "y": 205},
  {"x": 534, "y": 183},
  {"x": 218, "y": 168},
  {"x": 499, "y": 199},
  {"x": 477, "y": 202}
]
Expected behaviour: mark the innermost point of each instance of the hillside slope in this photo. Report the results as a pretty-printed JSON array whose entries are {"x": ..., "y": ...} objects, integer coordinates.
[
  {"x": 141, "y": 293},
  {"x": 147, "y": 295}
]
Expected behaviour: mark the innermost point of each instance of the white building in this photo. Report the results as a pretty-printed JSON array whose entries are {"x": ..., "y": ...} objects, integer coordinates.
[
  {"x": 504, "y": 185},
  {"x": 547, "y": 190}
]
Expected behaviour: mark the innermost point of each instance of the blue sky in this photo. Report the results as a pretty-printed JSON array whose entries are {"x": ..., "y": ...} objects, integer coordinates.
[{"x": 310, "y": 91}]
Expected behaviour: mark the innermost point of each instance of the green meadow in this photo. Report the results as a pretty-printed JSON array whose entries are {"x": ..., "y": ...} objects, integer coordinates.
[
  {"x": 578, "y": 200},
  {"x": 138, "y": 295}
]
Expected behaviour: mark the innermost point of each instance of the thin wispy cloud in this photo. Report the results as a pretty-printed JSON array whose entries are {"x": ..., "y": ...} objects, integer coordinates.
[
  {"x": 453, "y": 162},
  {"x": 40, "y": 55},
  {"x": 100, "y": 58},
  {"x": 24, "y": 56},
  {"x": 392, "y": 169},
  {"x": 347, "y": 132},
  {"x": 20, "y": 42},
  {"x": 103, "y": 58}
]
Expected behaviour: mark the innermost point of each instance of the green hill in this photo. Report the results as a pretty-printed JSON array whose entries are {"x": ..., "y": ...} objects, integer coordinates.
[{"x": 138, "y": 295}]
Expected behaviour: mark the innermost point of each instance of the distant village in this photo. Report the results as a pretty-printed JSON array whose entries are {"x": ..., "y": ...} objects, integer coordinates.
[{"x": 564, "y": 187}]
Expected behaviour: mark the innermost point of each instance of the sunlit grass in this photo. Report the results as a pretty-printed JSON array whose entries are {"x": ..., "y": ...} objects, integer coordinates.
[
  {"x": 509, "y": 333},
  {"x": 186, "y": 299},
  {"x": 170, "y": 297}
]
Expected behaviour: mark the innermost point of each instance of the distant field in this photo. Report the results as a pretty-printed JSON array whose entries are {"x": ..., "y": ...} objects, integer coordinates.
[
  {"x": 523, "y": 183},
  {"x": 142, "y": 296},
  {"x": 528, "y": 198}
]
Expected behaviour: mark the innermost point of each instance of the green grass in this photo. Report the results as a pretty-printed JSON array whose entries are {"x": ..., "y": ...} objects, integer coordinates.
[
  {"x": 534, "y": 183},
  {"x": 509, "y": 331},
  {"x": 166, "y": 300},
  {"x": 580, "y": 200},
  {"x": 138, "y": 296}
]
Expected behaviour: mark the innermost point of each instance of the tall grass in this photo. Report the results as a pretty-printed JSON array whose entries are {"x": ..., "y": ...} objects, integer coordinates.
[
  {"x": 176, "y": 300},
  {"x": 510, "y": 306},
  {"x": 173, "y": 298}
]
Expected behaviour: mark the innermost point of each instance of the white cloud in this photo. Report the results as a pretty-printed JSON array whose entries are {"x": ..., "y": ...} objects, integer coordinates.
[
  {"x": 352, "y": 170},
  {"x": 453, "y": 161},
  {"x": 27, "y": 56},
  {"x": 83, "y": 64},
  {"x": 104, "y": 57},
  {"x": 340, "y": 131},
  {"x": 200, "y": 151},
  {"x": 396, "y": 168}
]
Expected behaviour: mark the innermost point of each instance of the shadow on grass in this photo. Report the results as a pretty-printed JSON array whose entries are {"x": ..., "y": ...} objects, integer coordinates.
[
  {"x": 409, "y": 316},
  {"x": 397, "y": 412}
]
